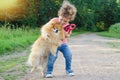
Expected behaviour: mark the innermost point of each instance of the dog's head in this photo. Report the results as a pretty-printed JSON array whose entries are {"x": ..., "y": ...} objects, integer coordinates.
[{"x": 53, "y": 31}]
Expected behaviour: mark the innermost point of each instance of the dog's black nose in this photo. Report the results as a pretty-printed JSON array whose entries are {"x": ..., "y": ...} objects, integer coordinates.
[{"x": 56, "y": 31}]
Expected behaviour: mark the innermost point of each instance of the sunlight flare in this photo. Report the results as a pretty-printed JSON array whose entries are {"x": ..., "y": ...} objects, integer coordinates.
[
  {"x": 12, "y": 9},
  {"x": 4, "y": 4}
]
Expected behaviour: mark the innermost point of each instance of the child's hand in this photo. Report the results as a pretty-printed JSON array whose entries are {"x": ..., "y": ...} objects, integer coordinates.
[{"x": 69, "y": 28}]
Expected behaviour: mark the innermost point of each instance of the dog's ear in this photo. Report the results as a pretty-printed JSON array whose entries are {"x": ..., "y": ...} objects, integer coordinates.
[{"x": 53, "y": 22}]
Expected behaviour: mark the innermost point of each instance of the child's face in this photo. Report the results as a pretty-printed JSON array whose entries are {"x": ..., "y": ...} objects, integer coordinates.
[{"x": 63, "y": 20}]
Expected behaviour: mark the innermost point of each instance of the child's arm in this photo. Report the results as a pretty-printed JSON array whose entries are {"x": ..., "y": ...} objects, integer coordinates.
[{"x": 68, "y": 34}]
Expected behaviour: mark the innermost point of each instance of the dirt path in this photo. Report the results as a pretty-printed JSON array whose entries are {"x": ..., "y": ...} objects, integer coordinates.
[{"x": 94, "y": 58}]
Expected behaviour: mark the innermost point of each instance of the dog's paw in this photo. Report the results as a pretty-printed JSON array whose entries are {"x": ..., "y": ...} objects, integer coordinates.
[{"x": 33, "y": 69}]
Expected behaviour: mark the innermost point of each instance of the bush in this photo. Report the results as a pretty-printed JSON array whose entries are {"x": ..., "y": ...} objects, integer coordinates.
[
  {"x": 100, "y": 26},
  {"x": 115, "y": 28},
  {"x": 31, "y": 19},
  {"x": 47, "y": 10}
]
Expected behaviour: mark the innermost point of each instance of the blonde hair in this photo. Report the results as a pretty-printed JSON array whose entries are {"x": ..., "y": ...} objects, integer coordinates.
[{"x": 67, "y": 10}]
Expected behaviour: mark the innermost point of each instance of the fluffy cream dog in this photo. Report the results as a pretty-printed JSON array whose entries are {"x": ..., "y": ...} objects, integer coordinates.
[{"x": 51, "y": 35}]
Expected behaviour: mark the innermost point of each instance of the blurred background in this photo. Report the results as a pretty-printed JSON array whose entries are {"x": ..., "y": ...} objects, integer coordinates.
[{"x": 93, "y": 15}]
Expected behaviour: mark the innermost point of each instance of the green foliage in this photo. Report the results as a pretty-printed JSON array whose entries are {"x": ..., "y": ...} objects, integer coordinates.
[
  {"x": 92, "y": 15},
  {"x": 31, "y": 19},
  {"x": 115, "y": 28},
  {"x": 96, "y": 15},
  {"x": 85, "y": 15},
  {"x": 48, "y": 9},
  {"x": 100, "y": 26},
  {"x": 107, "y": 12}
]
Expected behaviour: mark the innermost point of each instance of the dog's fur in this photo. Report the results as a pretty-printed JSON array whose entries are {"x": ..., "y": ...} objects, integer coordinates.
[{"x": 51, "y": 35}]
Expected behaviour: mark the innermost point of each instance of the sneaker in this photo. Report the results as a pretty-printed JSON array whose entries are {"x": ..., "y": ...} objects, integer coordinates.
[
  {"x": 48, "y": 75},
  {"x": 70, "y": 73}
]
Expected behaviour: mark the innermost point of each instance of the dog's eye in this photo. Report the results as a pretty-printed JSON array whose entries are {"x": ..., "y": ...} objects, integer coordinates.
[{"x": 55, "y": 30}]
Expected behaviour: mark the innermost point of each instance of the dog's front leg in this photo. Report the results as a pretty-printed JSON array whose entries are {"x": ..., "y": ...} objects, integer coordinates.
[
  {"x": 43, "y": 72},
  {"x": 44, "y": 68},
  {"x": 33, "y": 69},
  {"x": 54, "y": 50}
]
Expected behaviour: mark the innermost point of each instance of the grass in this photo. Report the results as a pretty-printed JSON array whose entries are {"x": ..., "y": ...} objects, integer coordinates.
[
  {"x": 108, "y": 34},
  {"x": 77, "y": 31},
  {"x": 9, "y": 77},
  {"x": 9, "y": 63},
  {"x": 111, "y": 35},
  {"x": 16, "y": 39},
  {"x": 12, "y": 40},
  {"x": 12, "y": 68}
]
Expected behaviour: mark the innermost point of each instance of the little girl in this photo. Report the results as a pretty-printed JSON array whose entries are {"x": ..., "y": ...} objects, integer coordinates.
[{"x": 66, "y": 14}]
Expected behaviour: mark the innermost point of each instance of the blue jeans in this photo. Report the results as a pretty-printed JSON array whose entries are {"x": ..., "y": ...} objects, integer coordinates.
[{"x": 67, "y": 55}]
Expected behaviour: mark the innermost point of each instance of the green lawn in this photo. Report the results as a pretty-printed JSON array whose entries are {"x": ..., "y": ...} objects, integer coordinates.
[
  {"x": 108, "y": 34},
  {"x": 16, "y": 39}
]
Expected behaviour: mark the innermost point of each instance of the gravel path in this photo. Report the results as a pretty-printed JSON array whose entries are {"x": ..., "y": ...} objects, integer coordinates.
[{"x": 94, "y": 58}]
